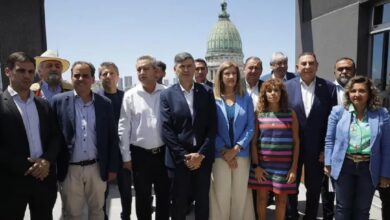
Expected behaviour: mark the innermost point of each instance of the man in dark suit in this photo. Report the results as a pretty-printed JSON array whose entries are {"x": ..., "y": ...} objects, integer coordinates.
[
  {"x": 188, "y": 119},
  {"x": 312, "y": 99},
  {"x": 201, "y": 72},
  {"x": 30, "y": 142},
  {"x": 279, "y": 67},
  {"x": 89, "y": 127},
  {"x": 109, "y": 76},
  {"x": 253, "y": 67}
]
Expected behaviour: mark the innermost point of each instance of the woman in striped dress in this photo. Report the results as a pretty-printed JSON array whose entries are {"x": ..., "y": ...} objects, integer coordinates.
[{"x": 275, "y": 148}]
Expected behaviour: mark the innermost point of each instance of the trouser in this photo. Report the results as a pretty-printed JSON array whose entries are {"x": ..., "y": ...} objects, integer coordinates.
[
  {"x": 327, "y": 200},
  {"x": 384, "y": 194},
  {"x": 354, "y": 191},
  {"x": 39, "y": 196},
  {"x": 83, "y": 184},
  {"x": 124, "y": 181},
  {"x": 314, "y": 173},
  {"x": 230, "y": 197},
  {"x": 148, "y": 170},
  {"x": 181, "y": 188}
]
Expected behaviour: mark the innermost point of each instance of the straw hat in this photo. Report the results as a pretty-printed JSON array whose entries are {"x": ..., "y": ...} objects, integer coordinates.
[{"x": 51, "y": 55}]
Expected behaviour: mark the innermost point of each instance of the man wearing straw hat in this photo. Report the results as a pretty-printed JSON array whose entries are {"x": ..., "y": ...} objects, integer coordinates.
[{"x": 50, "y": 67}]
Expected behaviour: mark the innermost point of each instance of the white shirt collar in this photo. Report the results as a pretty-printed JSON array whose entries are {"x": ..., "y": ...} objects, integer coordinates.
[
  {"x": 310, "y": 85},
  {"x": 183, "y": 90},
  {"x": 13, "y": 93}
]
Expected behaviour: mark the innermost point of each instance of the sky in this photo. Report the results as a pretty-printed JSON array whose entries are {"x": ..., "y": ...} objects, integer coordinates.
[{"x": 120, "y": 31}]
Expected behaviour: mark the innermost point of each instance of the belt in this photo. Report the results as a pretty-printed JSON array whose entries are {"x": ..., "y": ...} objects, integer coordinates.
[
  {"x": 155, "y": 150},
  {"x": 84, "y": 162},
  {"x": 358, "y": 158}
]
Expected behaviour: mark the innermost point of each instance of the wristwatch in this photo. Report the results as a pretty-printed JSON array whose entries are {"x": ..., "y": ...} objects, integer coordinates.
[{"x": 254, "y": 165}]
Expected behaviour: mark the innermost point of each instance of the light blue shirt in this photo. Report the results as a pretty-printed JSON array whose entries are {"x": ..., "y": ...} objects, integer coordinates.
[
  {"x": 85, "y": 142},
  {"x": 47, "y": 93},
  {"x": 29, "y": 113}
]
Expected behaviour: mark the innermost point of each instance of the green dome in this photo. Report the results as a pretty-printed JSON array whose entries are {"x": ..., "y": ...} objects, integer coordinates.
[{"x": 224, "y": 37}]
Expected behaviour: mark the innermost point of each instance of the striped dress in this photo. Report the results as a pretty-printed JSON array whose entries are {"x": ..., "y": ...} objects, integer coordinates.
[{"x": 275, "y": 152}]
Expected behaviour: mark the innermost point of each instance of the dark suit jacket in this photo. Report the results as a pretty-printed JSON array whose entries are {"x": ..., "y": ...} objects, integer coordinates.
[
  {"x": 14, "y": 146},
  {"x": 178, "y": 128},
  {"x": 312, "y": 129},
  {"x": 106, "y": 131},
  {"x": 209, "y": 83}
]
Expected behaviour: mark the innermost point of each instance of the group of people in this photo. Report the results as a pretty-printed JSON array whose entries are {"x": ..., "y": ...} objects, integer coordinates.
[{"x": 229, "y": 146}]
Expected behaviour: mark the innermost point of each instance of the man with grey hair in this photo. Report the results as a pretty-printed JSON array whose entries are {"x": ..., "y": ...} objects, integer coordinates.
[
  {"x": 279, "y": 66},
  {"x": 188, "y": 119},
  {"x": 142, "y": 148},
  {"x": 50, "y": 68}
]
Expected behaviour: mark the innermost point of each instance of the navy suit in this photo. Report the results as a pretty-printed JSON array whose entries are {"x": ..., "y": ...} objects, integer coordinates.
[
  {"x": 16, "y": 189},
  {"x": 178, "y": 132},
  {"x": 209, "y": 83},
  {"x": 106, "y": 131},
  {"x": 312, "y": 131}
]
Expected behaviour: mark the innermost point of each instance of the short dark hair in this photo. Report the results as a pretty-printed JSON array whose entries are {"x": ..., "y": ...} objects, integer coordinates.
[
  {"x": 200, "y": 60},
  {"x": 181, "y": 57},
  {"x": 346, "y": 58},
  {"x": 161, "y": 65},
  {"x": 18, "y": 57},
  {"x": 253, "y": 58},
  {"x": 108, "y": 64},
  {"x": 90, "y": 65},
  {"x": 307, "y": 54}
]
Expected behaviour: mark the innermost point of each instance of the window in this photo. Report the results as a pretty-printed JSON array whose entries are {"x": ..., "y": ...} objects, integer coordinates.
[{"x": 380, "y": 50}]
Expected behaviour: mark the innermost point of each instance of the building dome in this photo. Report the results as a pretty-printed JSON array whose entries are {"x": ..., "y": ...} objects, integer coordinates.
[
  {"x": 224, "y": 44},
  {"x": 224, "y": 37}
]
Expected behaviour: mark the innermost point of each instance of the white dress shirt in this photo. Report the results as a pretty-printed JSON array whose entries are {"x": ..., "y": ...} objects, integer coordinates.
[
  {"x": 253, "y": 93},
  {"x": 340, "y": 93},
  {"x": 189, "y": 96},
  {"x": 28, "y": 111},
  {"x": 139, "y": 121},
  {"x": 308, "y": 95}
]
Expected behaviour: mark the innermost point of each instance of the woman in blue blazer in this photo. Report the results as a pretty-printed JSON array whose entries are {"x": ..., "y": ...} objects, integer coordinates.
[
  {"x": 230, "y": 197},
  {"x": 357, "y": 149}
]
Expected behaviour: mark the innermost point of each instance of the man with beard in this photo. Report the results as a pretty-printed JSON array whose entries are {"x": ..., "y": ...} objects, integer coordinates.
[
  {"x": 50, "y": 67},
  {"x": 344, "y": 70}
]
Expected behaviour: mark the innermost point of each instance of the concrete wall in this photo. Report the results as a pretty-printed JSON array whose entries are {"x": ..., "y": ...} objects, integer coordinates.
[
  {"x": 22, "y": 25},
  {"x": 333, "y": 29}
]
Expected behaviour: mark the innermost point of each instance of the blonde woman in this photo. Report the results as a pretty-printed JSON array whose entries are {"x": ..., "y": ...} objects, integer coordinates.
[{"x": 229, "y": 194}]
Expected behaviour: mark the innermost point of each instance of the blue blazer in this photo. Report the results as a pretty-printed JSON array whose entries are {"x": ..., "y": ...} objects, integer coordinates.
[
  {"x": 243, "y": 125},
  {"x": 337, "y": 140},
  {"x": 268, "y": 76},
  {"x": 106, "y": 131},
  {"x": 312, "y": 129},
  {"x": 179, "y": 128}
]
